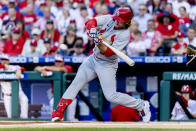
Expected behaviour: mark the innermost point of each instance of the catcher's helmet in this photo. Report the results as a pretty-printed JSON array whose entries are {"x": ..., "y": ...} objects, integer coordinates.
[
  {"x": 123, "y": 15},
  {"x": 186, "y": 89}
]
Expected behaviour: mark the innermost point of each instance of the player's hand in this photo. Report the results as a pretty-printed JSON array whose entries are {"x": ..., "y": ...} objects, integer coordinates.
[
  {"x": 18, "y": 74},
  {"x": 97, "y": 40},
  {"x": 44, "y": 73},
  {"x": 92, "y": 32}
]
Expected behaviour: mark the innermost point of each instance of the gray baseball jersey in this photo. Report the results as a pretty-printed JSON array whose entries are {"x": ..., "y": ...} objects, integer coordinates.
[
  {"x": 98, "y": 65},
  {"x": 117, "y": 38}
]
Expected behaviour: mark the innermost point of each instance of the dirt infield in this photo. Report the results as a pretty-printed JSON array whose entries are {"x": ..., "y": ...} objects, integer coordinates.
[{"x": 47, "y": 124}]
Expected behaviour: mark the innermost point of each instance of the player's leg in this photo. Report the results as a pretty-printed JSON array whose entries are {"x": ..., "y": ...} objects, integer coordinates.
[
  {"x": 24, "y": 106},
  {"x": 7, "y": 104},
  {"x": 71, "y": 111},
  {"x": 85, "y": 74},
  {"x": 107, "y": 77}
]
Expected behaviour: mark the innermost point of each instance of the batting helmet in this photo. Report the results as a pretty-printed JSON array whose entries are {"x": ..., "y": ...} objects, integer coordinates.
[
  {"x": 123, "y": 15},
  {"x": 186, "y": 89}
]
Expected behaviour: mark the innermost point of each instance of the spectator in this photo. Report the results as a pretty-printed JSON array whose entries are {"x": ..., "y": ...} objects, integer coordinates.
[
  {"x": 2, "y": 42},
  {"x": 136, "y": 47},
  {"x": 10, "y": 3},
  {"x": 68, "y": 40},
  {"x": 154, "y": 37},
  {"x": 63, "y": 19},
  {"x": 167, "y": 29},
  {"x": 80, "y": 21},
  {"x": 41, "y": 22},
  {"x": 24, "y": 6},
  {"x": 124, "y": 114},
  {"x": 7, "y": 88},
  {"x": 59, "y": 66},
  {"x": 47, "y": 43},
  {"x": 113, "y": 6},
  {"x": 178, "y": 112},
  {"x": 135, "y": 5},
  {"x": 180, "y": 47},
  {"x": 88, "y": 47},
  {"x": 142, "y": 18},
  {"x": 29, "y": 17},
  {"x": 14, "y": 46},
  {"x": 163, "y": 5},
  {"x": 24, "y": 33},
  {"x": 123, "y": 3},
  {"x": 169, "y": 8},
  {"x": 50, "y": 32},
  {"x": 5, "y": 14},
  {"x": 52, "y": 5},
  {"x": 133, "y": 28},
  {"x": 184, "y": 20},
  {"x": 97, "y": 9},
  {"x": 10, "y": 22},
  {"x": 155, "y": 9},
  {"x": 40, "y": 49},
  {"x": 191, "y": 37},
  {"x": 192, "y": 13},
  {"x": 179, "y": 3},
  {"x": 53, "y": 50},
  {"x": 81, "y": 4},
  {"x": 93, "y": 3},
  {"x": 78, "y": 47},
  {"x": 33, "y": 50}
]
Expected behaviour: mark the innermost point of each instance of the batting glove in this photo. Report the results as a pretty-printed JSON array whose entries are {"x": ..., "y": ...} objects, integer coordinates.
[
  {"x": 97, "y": 40},
  {"x": 92, "y": 33}
]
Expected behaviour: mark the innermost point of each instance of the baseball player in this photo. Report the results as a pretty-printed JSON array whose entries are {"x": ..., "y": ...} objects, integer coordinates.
[
  {"x": 178, "y": 112},
  {"x": 7, "y": 88},
  {"x": 103, "y": 63},
  {"x": 59, "y": 66}
]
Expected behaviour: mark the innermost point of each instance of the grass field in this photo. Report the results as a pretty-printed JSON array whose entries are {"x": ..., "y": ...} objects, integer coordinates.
[{"x": 90, "y": 129}]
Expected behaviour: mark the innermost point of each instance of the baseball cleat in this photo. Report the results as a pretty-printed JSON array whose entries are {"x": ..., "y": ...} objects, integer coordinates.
[
  {"x": 57, "y": 115},
  {"x": 56, "y": 119},
  {"x": 145, "y": 113}
]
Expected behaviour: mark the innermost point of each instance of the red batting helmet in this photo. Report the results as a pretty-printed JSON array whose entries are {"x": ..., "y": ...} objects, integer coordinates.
[
  {"x": 186, "y": 89},
  {"x": 123, "y": 15}
]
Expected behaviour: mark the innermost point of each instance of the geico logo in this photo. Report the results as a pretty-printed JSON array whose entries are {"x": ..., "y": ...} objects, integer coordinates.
[
  {"x": 77, "y": 59},
  {"x": 157, "y": 60},
  {"x": 18, "y": 60}
]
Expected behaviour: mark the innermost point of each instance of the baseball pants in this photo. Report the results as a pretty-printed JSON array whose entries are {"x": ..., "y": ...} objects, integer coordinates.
[{"x": 106, "y": 72}]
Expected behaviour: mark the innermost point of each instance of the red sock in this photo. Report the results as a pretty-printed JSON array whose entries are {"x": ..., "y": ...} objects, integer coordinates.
[{"x": 63, "y": 104}]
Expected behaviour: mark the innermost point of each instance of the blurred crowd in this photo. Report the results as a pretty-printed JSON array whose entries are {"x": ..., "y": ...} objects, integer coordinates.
[{"x": 50, "y": 27}]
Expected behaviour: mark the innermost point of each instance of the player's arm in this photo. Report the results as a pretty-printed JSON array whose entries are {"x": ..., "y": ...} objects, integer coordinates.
[
  {"x": 39, "y": 68},
  {"x": 19, "y": 71},
  {"x": 97, "y": 21},
  {"x": 54, "y": 68}
]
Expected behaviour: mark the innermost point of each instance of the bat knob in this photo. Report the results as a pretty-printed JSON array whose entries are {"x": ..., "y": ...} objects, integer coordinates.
[{"x": 132, "y": 64}]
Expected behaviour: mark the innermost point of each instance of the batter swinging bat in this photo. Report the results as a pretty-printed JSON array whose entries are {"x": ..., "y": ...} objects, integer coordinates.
[{"x": 128, "y": 60}]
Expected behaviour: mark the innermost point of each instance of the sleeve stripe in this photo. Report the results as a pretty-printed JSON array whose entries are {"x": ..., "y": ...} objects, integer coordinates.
[{"x": 108, "y": 52}]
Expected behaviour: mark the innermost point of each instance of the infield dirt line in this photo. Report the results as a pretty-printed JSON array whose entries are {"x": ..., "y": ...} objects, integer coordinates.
[{"x": 47, "y": 124}]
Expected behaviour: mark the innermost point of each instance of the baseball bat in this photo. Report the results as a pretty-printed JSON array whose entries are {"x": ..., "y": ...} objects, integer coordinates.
[
  {"x": 128, "y": 60},
  {"x": 191, "y": 60}
]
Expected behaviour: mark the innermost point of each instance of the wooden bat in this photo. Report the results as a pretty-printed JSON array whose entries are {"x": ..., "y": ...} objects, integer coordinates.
[
  {"x": 128, "y": 60},
  {"x": 191, "y": 60}
]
